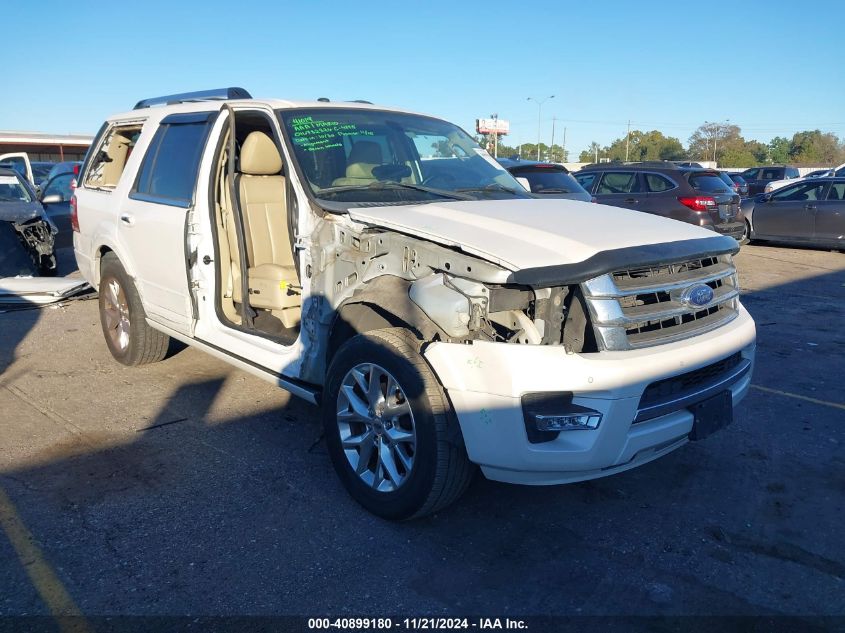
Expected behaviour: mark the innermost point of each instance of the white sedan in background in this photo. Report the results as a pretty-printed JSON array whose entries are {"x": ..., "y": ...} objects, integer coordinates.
[{"x": 821, "y": 173}]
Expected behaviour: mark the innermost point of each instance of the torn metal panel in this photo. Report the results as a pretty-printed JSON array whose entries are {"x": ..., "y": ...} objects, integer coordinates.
[{"x": 39, "y": 290}]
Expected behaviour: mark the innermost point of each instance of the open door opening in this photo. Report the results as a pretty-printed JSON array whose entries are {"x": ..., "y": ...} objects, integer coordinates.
[{"x": 259, "y": 288}]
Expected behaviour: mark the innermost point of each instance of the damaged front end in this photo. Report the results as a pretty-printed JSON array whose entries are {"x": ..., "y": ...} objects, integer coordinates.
[{"x": 27, "y": 248}]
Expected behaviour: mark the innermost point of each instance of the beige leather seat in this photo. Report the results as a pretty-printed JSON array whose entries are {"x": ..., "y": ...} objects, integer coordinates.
[
  {"x": 363, "y": 157},
  {"x": 261, "y": 194}
]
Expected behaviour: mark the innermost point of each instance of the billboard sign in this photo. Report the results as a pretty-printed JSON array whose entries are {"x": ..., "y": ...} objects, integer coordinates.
[{"x": 492, "y": 126}]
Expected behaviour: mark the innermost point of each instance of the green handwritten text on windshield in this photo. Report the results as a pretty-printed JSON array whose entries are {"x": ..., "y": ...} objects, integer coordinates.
[{"x": 315, "y": 135}]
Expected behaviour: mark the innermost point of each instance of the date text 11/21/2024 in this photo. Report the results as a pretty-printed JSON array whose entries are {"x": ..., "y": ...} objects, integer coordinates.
[{"x": 420, "y": 623}]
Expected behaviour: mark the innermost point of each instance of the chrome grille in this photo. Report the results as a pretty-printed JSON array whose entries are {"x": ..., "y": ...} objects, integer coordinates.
[{"x": 645, "y": 306}]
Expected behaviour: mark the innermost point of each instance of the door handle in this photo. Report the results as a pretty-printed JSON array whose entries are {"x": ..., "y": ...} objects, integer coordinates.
[
  {"x": 810, "y": 207},
  {"x": 128, "y": 220},
  {"x": 631, "y": 200}
]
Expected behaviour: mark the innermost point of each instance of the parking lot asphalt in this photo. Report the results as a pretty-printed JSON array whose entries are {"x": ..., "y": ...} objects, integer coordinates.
[{"x": 190, "y": 487}]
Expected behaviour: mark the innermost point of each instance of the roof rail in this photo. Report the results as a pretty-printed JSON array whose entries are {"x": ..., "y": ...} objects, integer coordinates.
[{"x": 199, "y": 95}]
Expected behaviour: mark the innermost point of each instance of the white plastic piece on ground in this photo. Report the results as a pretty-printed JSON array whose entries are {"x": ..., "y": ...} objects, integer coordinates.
[{"x": 38, "y": 290}]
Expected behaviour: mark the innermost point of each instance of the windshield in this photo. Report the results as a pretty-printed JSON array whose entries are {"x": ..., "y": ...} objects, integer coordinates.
[
  {"x": 371, "y": 156},
  {"x": 13, "y": 190}
]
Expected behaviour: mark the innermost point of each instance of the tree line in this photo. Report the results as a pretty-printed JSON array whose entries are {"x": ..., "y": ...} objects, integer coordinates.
[{"x": 722, "y": 141}]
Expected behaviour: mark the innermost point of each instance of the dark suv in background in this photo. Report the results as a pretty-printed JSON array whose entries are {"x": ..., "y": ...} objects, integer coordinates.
[
  {"x": 758, "y": 177},
  {"x": 689, "y": 194},
  {"x": 545, "y": 180}
]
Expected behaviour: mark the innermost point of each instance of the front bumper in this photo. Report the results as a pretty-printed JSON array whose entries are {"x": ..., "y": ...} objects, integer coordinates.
[{"x": 485, "y": 382}]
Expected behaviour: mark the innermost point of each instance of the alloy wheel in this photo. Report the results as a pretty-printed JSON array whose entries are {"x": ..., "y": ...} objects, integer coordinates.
[
  {"x": 116, "y": 312},
  {"x": 376, "y": 424}
]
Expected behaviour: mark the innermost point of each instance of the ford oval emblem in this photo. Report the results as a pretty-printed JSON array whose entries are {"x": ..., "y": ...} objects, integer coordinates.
[{"x": 698, "y": 295}]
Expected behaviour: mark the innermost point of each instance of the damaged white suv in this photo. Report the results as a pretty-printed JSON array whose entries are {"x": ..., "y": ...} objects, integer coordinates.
[{"x": 381, "y": 264}]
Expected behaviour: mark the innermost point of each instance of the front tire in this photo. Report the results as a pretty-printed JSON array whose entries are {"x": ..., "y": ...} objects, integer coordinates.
[
  {"x": 746, "y": 234},
  {"x": 389, "y": 428},
  {"x": 129, "y": 339}
]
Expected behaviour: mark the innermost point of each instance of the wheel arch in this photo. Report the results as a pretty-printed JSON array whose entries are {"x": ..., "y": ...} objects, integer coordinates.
[{"x": 383, "y": 303}]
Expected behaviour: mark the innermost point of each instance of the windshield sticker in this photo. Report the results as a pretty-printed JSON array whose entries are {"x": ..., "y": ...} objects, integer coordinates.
[
  {"x": 486, "y": 156},
  {"x": 316, "y": 135}
]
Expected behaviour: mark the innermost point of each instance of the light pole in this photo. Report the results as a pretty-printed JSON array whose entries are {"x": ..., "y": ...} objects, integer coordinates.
[
  {"x": 539, "y": 103},
  {"x": 495, "y": 118},
  {"x": 716, "y": 136}
]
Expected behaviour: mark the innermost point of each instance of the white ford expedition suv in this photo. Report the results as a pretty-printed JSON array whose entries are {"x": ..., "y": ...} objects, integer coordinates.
[{"x": 381, "y": 264}]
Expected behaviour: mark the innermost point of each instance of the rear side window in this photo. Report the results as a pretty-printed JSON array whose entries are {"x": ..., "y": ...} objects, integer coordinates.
[
  {"x": 110, "y": 158},
  {"x": 657, "y": 183},
  {"x": 772, "y": 174},
  {"x": 586, "y": 180},
  {"x": 750, "y": 174},
  {"x": 619, "y": 182},
  {"x": 169, "y": 170},
  {"x": 708, "y": 182},
  {"x": 837, "y": 191}
]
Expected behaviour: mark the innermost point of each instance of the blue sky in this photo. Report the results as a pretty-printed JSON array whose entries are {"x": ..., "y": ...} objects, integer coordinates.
[{"x": 771, "y": 68}]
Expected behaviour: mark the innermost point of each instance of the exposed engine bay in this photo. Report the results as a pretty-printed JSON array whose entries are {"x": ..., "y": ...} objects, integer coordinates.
[
  {"x": 27, "y": 248},
  {"x": 384, "y": 278}
]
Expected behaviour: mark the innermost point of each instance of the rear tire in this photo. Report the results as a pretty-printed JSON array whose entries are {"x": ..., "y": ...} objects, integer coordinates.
[
  {"x": 129, "y": 339},
  {"x": 390, "y": 430}
]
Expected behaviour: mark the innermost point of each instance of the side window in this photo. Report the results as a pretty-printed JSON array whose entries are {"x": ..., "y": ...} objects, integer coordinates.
[
  {"x": 618, "y": 182},
  {"x": 657, "y": 183},
  {"x": 750, "y": 174},
  {"x": 791, "y": 172},
  {"x": 804, "y": 191},
  {"x": 59, "y": 185},
  {"x": 772, "y": 174},
  {"x": 586, "y": 180},
  {"x": 837, "y": 191},
  {"x": 110, "y": 158},
  {"x": 169, "y": 170}
]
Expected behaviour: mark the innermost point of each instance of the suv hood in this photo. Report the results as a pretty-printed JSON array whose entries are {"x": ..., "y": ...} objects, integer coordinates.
[{"x": 521, "y": 234}]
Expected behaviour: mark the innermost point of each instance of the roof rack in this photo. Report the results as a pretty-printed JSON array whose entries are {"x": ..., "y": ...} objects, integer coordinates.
[{"x": 199, "y": 95}]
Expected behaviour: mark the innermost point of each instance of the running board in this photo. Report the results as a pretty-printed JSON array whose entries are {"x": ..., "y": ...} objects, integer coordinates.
[{"x": 302, "y": 390}]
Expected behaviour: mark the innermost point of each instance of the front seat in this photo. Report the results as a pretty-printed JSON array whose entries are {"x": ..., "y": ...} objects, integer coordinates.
[
  {"x": 272, "y": 278},
  {"x": 363, "y": 157}
]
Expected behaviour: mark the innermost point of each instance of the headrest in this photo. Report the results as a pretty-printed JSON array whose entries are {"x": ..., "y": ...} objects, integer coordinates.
[
  {"x": 365, "y": 152},
  {"x": 360, "y": 170},
  {"x": 259, "y": 155}
]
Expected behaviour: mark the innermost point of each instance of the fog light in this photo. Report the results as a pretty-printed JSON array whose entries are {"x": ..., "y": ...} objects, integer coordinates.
[
  {"x": 567, "y": 422},
  {"x": 547, "y": 414}
]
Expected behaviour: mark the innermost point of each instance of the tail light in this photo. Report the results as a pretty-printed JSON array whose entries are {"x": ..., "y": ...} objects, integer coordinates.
[
  {"x": 698, "y": 203},
  {"x": 74, "y": 218}
]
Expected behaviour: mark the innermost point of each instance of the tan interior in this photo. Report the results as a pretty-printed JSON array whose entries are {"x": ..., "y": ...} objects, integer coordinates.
[
  {"x": 111, "y": 160},
  {"x": 363, "y": 157},
  {"x": 273, "y": 282}
]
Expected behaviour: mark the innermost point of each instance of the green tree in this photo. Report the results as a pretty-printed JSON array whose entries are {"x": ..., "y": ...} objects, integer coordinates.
[
  {"x": 779, "y": 150},
  {"x": 813, "y": 146},
  {"x": 591, "y": 154}
]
